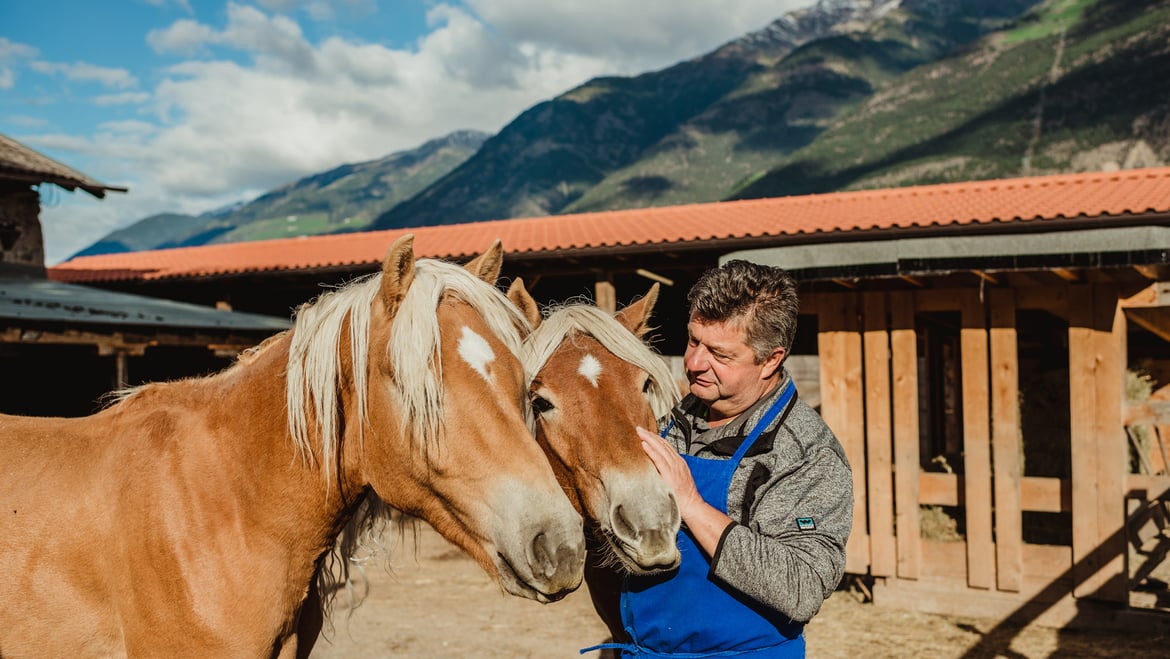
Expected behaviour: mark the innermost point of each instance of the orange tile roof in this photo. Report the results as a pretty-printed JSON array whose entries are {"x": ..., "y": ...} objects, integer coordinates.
[{"x": 1007, "y": 201}]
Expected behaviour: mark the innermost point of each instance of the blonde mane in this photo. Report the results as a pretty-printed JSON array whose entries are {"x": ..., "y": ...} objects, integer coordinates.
[
  {"x": 562, "y": 321},
  {"x": 314, "y": 381},
  {"x": 315, "y": 362}
]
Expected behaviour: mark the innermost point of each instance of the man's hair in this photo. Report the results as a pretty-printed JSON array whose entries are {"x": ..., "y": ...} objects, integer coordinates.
[{"x": 760, "y": 297}]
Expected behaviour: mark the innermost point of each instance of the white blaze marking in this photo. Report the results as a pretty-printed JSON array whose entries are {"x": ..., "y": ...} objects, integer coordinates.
[
  {"x": 475, "y": 351},
  {"x": 590, "y": 368}
]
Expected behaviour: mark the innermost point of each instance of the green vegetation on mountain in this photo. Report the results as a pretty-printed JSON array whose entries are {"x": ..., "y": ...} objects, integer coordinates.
[
  {"x": 1073, "y": 86},
  {"x": 846, "y": 94},
  {"x": 703, "y": 129}
]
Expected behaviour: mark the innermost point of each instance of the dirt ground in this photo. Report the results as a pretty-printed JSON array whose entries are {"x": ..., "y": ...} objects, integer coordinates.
[{"x": 435, "y": 602}]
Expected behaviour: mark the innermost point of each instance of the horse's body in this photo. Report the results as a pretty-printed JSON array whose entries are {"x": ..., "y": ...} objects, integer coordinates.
[
  {"x": 593, "y": 381},
  {"x": 188, "y": 518}
]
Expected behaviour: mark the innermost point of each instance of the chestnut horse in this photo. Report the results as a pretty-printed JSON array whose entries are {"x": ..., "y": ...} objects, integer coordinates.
[
  {"x": 188, "y": 518},
  {"x": 592, "y": 381}
]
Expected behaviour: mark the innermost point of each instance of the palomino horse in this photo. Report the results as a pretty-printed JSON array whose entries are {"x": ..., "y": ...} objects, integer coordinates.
[
  {"x": 592, "y": 381},
  {"x": 188, "y": 518}
]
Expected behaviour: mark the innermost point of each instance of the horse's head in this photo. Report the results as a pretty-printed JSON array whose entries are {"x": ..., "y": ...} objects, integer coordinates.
[
  {"x": 432, "y": 416},
  {"x": 592, "y": 381}
]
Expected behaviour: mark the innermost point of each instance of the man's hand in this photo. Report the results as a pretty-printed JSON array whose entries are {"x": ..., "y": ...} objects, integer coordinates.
[
  {"x": 705, "y": 523},
  {"x": 673, "y": 469}
]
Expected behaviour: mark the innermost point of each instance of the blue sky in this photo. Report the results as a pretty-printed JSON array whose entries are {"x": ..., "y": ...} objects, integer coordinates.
[{"x": 195, "y": 104}]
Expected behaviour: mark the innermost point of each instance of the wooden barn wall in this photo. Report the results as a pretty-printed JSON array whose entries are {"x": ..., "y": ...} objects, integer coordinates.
[{"x": 869, "y": 377}]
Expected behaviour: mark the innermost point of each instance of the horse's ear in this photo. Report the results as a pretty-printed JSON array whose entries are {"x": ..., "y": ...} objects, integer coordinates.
[
  {"x": 636, "y": 317},
  {"x": 487, "y": 266},
  {"x": 524, "y": 302},
  {"x": 397, "y": 272}
]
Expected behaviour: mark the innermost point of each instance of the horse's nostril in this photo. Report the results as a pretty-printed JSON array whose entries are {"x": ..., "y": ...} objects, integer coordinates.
[
  {"x": 622, "y": 527},
  {"x": 542, "y": 559}
]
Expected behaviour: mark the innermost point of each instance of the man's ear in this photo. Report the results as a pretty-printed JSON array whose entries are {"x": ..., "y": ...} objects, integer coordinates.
[{"x": 772, "y": 363}]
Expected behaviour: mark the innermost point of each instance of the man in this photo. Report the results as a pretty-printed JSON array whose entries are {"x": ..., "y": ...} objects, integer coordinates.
[{"x": 763, "y": 487}]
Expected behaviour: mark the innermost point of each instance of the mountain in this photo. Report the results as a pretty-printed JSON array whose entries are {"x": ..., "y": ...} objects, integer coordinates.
[
  {"x": 346, "y": 198},
  {"x": 846, "y": 94},
  {"x": 698, "y": 130},
  {"x": 1071, "y": 86}
]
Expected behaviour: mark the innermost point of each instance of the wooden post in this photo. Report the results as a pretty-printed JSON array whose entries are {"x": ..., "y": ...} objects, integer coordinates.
[
  {"x": 1082, "y": 391},
  {"x": 1005, "y": 438},
  {"x": 839, "y": 351},
  {"x": 904, "y": 367},
  {"x": 1097, "y": 362},
  {"x": 606, "y": 296},
  {"x": 976, "y": 442},
  {"x": 1112, "y": 446},
  {"x": 879, "y": 463}
]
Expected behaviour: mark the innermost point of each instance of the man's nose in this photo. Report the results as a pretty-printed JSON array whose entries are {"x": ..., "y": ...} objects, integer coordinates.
[{"x": 695, "y": 359}]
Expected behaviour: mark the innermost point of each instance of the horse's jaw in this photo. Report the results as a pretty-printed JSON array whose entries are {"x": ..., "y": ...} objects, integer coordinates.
[{"x": 538, "y": 554}]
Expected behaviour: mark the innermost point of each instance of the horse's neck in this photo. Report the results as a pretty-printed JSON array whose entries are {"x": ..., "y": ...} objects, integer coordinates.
[{"x": 240, "y": 420}]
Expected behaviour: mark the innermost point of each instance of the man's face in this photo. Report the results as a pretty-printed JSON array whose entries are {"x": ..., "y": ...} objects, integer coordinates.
[{"x": 722, "y": 368}]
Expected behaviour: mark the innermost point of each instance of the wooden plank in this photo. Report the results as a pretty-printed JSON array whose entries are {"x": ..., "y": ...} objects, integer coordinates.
[
  {"x": 937, "y": 489},
  {"x": 879, "y": 459},
  {"x": 904, "y": 373},
  {"x": 976, "y": 442},
  {"x": 1082, "y": 373},
  {"x": 946, "y": 560},
  {"x": 1147, "y": 487},
  {"x": 1156, "y": 294},
  {"x": 1045, "y": 495},
  {"x": 1148, "y": 413},
  {"x": 1005, "y": 438},
  {"x": 1112, "y": 446},
  {"x": 605, "y": 295},
  {"x": 839, "y": 350}
]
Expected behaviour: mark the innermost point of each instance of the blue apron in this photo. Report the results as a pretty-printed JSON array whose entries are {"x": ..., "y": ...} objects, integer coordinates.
[{"x": 684, "y": 613}]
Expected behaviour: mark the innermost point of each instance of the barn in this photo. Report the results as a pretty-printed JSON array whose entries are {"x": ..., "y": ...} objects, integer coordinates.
[
  {"x": 993, "y": 356},
  {"x": 64, "y": 345}
]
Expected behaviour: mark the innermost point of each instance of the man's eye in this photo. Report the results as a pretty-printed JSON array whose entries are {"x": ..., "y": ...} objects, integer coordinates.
[{"x": 541, "y": 405}]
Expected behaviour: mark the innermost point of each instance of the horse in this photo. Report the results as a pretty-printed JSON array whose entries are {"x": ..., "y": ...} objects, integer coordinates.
[
  {"x": 592, "y": 380},
  {"x": 188, "y": 518}
]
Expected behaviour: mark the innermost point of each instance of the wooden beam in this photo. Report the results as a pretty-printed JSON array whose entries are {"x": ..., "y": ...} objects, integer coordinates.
[
  {"x": 1112, "y": 445},
  {"x": 976, "y": 442},
  {"x": 1082, "y": 371},
  {"x": 1156, "y": 294},
  {"x": 986, "y": 276},
  {"x": 1005, "y": 438},
  {"x": 605, "y": 296},
  {"x": 879, "y": 459},
  {"x": 842, "y": 398},
  {"x": 1099, "y": 449},
  {"x": 904, "y": 374},
  {"x": 1155, "y": 320},
  {"x": 653, "y": 276},
  {"x": 1149, "y": 413},
  {"x": 1066, "y": 274}
]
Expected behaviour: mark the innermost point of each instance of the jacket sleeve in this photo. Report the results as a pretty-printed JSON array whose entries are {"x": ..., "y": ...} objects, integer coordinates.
[{"x": 788, "y": 565}]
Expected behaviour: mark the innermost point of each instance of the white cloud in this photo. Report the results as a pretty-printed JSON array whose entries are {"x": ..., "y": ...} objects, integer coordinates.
[
  {"x": 257, "y": 104},
  {"x": 633, "y": 36},
  {"x": 125, "y": 98},
  {"x": 12, "y": 52},
  {"x": 86, "y": 72}
]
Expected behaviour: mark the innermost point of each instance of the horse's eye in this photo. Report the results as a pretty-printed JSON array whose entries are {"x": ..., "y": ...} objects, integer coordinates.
[
  {"x": 646, "y": 386},
  {"x": 541, "y": 405}
]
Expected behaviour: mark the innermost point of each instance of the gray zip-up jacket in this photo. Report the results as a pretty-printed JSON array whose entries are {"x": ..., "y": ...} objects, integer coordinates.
[{"x": 791, "y": 499}]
